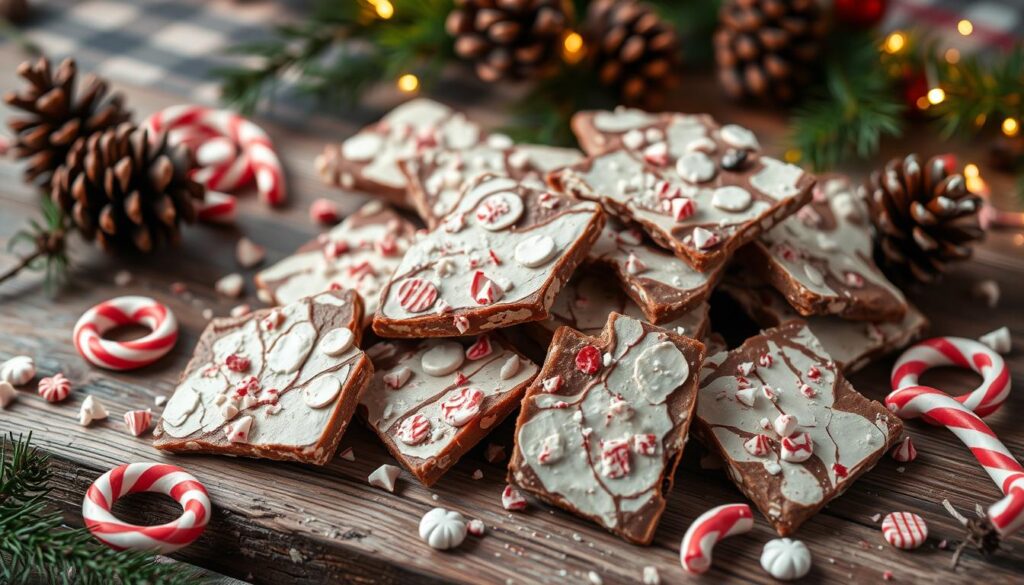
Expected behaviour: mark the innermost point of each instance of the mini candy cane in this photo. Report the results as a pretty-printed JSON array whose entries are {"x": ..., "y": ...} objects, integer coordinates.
[
  {"x": 707, "y": 530},
  {"x": 125, "y": 355},
  {"x": 1006, "y": 515},
  {"x": 249, "y": 156},
  {"x": 964, "y": 353},
  {"x": 160, "y": 478}
]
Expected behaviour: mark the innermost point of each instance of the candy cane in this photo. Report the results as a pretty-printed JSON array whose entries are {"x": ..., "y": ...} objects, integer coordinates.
[
  {"x": 196, "y": 126},
  {"x": 709, "y": 528},
  {"x": 133, "y": 478},
  {"x": 1006, "y": 515},
  {"x": 964, "y": 353},
  {"x": 125, "y": 355}
]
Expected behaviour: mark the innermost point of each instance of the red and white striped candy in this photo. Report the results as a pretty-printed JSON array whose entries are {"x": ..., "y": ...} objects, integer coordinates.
[
  {"x": 324, "y": 211},
  {"x": 615, "y": 458},
  {"x": 960, "y": 352},
  {"x": 512, "y": 499},
  {"x": 125, "y": 355},
  {"x": 904, "y": 451},
  {"x": 797, "y": 448},
  {"x": 904, "y": 530},
  {"x": 645, "y": 444},
  {"x": 480, "y": 349},
  {"x": 133, "y": 478},
  {"x": 484, "y": 290},
  {"x": 204, "y": 131},
  {"x": 55, "y": 388},
  {"x": 462, "y": 407},
  {"x": 416, "y": 294},
  {"x": 413, "y": 430},
  {"x": 218, "y": 208},
  {"x": 137, "y": 421},
  {"x": 711, "y": 527}
]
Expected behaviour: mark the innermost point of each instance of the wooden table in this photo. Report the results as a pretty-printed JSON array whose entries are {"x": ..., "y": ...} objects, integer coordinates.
[{"x": 289, "y": 523}]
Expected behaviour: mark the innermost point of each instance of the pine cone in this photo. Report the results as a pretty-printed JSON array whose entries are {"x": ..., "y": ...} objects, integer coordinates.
[
  {"x": 633, "y": 50},
  {"x": 766, "y": 49},
  {"x": 509, "y": 39},
  {"x": 127, "y": 191},
  {"x": 55, "y": 117},
  {"x": 925, "y": 217}
]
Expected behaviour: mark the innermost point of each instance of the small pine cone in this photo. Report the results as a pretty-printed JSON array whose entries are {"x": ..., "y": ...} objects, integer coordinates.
[
  {"x": 924, "y": 217},
  {"x": 56, "y": 117},
  {"x": 509, "y": 39},
  {"x": 766, "y": 49},
  {"x": 127, "y": 191},
  {"x": 633, "y": 50}
]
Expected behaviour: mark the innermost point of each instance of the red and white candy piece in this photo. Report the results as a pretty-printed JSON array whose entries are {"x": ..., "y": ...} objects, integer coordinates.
[
  {"x": 797, "y": 448},
  {"x": 480, "y": 349},
  {"x": 904, "y": 530},
  {"x": 960, "y": 352},
  {"x": 324, "y": 211},
  {"x": 54, "y": 388},
  {"x": 133, "y": 478},
  {"x": 236, "y": 150},
  {"x": 484, "y": 290},
  {"x": 615, "y": 462},
  {"x": 711, "y": 527},
  {"x": 125, "y": 355},
  {"x": 416, "y": 295},
  {"x": 218, "y": 208},
  {"x": 512, "y": 499},
  {"x": 588, "y": 359},
  {"x": 462, "y": 407},
  {"x": 904, "y": 451},
  {"x": 413, "y": 429},
  {"x": 137, "y": 421}
]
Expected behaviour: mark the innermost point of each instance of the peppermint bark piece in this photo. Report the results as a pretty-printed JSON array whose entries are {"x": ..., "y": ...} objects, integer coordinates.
[
  {"x": 368, "y": 161},
  {"x": 359, "y": 254},
  {"x": 664, "y": 287},
  {"x": 852, "y": 344},
  {"x": 792, "y": 431},
  {"x": 700, "y": 194},
  {"x": 820, "y": 258},
  {"x": 432, "y": 400},
  {"x": 585, "y": 303},
  {"x": 278, "y": 383},
  {"x": 437, "y": 177},
  {"x": 603, "y": 426},
  {"x": 599, "y": 131},
  {"x": 497, "y": 260}
]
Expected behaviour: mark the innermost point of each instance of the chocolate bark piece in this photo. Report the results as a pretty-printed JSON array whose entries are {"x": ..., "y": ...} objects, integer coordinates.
[
  {"x": 820, "y": 258},
  {"x": 587, "y": 300},
  {"x": 359, "y": 254},
  {"x": 432, "y": 400},
  {"x": 497, "y": 260},
  {"x": 694, "y": 187},
  {"x": 664, "y": 287},
  {"x": 368, "y": 161},
  {"x": 278, "y": 383},
  {"x": 603, "y": 426},
  {"x": 792, "y": 431},
  {"x": 852, "y": 344},
  {"x": 599, "y": 131},
  {"x": 437, "y": 177}
]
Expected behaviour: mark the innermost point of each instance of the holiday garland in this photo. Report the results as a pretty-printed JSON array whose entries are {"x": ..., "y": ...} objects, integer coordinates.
[{"x": 35, "y": 546}]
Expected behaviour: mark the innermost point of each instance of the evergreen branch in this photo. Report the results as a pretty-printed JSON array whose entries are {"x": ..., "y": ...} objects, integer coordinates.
[
  {"x": 979, "y": 91},
  {"x": 47, "y": 247}
]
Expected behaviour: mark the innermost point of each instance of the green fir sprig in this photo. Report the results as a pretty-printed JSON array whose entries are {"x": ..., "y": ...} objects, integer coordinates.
[
  {"x": 46, "y": 241},
  {"x": 36, "y": 547}
]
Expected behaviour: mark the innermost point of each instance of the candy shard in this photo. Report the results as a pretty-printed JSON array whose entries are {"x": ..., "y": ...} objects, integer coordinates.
[{"x": 384, "y": 477}]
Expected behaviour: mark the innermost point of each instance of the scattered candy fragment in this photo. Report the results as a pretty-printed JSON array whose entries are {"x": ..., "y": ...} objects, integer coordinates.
[
  {"x": 137, "y": 421},
  {"x": 91, "y": 410},
  {"x": 904, "y": 530},
  {"x": 904, "y": 451},
  {"x": 324, "y": 211},
  {"x": 512, "y": 499},
  {"x": 7, "y": 393},
  {"x": 18, "y": 370},
  {"x": 249, "y": 253},
  {"x": 709, "y": 528},
  {"x": 384, "y": 477},
  {"x": 443, "y": 529},
  {"x": 476, "y": 527},
  {"x": 998, "y": 340},
  {"x": 786, "y": 559}
]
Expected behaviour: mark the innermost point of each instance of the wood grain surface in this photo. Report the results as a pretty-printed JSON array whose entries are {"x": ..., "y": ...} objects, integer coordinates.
[{"x": 289, "y": 523}]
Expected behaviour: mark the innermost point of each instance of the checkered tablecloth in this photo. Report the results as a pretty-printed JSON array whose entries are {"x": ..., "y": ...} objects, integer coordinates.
[{"x": 173, "y": 45}]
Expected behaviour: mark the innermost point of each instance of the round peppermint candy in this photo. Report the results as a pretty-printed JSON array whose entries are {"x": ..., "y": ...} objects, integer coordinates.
[
  {"x": 904, "y": 530},
  {"x": 535, "y": 251},
  {"x": 499, "y": 210},
  {"x": 416, "y": 294},
  {"x": 462, "y": 406}
]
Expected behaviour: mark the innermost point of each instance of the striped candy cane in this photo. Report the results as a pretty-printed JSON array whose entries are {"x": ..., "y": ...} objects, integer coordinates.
[
  {"x": 133, "y": 478},
  {"x": 711, "y": 527},
  {"x": 125, "y": 355},
  {"x": 203, "y": 129},
  {"x": 1006, "y": 515}
]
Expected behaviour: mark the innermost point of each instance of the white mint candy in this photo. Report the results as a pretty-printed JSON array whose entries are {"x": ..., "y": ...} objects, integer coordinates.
[
  {"x": 443, "y": 359},
  {"x": 384, "y": 477},
  {"x": 511, "y": 367},
  {"x": 499, "y": 210},
  {"x": 998, "y": 340},
  {"x": 814, "y": 275},
  {"x": 443, "y": 529},
  {"x": 362, "y": 147},
  {"x": 18, "y": 370},
  {"x": 785, "y": 425},
  {"x": 786, "y": 559},
  {"x": 230, "y": 286},
  {"x": 337, "y": 341},
  {"x": 91, "y": 410},
  {"x": 322, "y": 391},
  {"x": 535, "y": 251},
  {"x": 739, "y": 137},
  {"x": 7, "y": 393},
  {"x": 731, "y": 198},
  {"x": 696, "y": 167}
]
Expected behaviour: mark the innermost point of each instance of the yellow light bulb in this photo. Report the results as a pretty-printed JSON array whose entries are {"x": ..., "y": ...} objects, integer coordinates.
[
  {"x": 384, "y": 8},
  {"x": 1011, "y": 127},
  {"x": 952, "y": 56},
  {"x": 936, "y": 96},
  {"x": 793, "y": 155},
  {"x": 895, "y": 42},
  {"x": 408, "y": 83},
  {"x": 971, "y": 170},
  {"x": 572, "y": 47},
  {"x": 922, "y": 103},
  {"x": 965, "y": 27}
]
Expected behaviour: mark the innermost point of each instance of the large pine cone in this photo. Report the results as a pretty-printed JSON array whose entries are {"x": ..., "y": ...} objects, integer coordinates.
[
  {"x": 56, "y": 117},
  {"x": 766, "y": 49},
  {"x": 127, "y": 191},
  {"x": 925, "y": 217},
  {"x": 509, "y": 39},
  {"x": 633, "y": 50}
]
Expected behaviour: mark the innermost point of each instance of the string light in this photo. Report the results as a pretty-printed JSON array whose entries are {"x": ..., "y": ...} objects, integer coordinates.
[
  {"x": 965, "y": 27},
  {"x": 895, "y": 42},
  {"x": 572, "y": 47},
  {"x": 922, "y": 103},
  {"x": 952, "y": 56},
  {"x": 972, "y": 175},
  {"x": 408, "y": 83},
  {"x": 1010, "y": 127},
  {"x": 793, "y": 155},
  {"x": 936, "y": 96},
  {"x": 384, "y": 8}
]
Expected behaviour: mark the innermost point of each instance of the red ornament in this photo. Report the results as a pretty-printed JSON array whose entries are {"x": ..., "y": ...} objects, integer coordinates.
[{"x": 860, "y": 13}]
